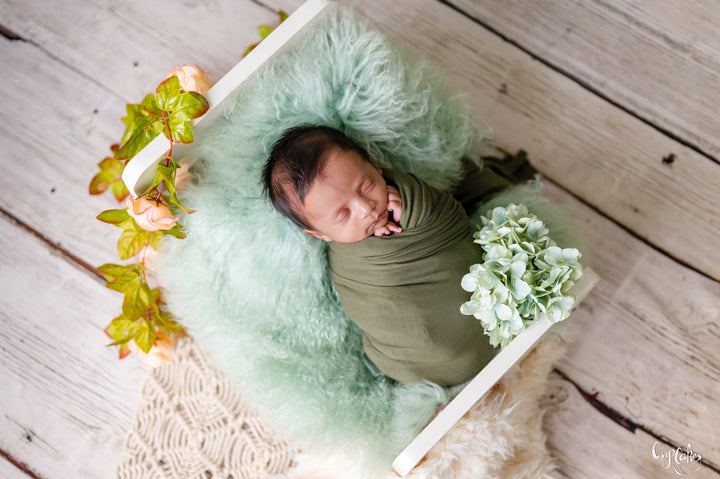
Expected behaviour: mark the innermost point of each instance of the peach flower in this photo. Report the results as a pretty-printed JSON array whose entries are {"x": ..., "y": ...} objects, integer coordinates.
[
  {"x": 150, "y": 214},
  {"x": 183, "y": 175},
  {"x": 145, "y": 256},
  {"x": 192, "y": 78},
  {"x": 161, "y": 353}
]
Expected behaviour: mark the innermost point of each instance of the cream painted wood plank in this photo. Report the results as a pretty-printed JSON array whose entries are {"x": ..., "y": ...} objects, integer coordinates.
[
  {"x": 128, "y": 47},
  {"x": 590, "y": 147},
  {"x": 51, "y": 144},
  {"x": 587, "y": 445},
  {"x": 67, "y": 401},
  {"x": 603, "y": 379},
  {"x": 646, "y": 335},
  {"x": 9, "y": 471},
  {"x": 660, "y": 58}
]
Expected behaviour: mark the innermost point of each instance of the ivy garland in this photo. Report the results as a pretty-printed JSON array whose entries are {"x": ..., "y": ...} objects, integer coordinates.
[{"x": 144, "y": 324}]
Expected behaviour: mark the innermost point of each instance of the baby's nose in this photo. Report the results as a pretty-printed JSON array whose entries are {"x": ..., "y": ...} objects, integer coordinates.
[{"x": 365, "y": 206}]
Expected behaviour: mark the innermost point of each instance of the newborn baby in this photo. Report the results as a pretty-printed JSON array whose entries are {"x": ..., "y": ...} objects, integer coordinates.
[{"x": 397, "y": 250}]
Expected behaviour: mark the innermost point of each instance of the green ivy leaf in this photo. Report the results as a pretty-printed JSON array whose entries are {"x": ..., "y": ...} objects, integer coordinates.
[
  {"x": 113, "y": 271},
  {"x": 179, "y": 109},
  {"x": 143, "y": 124},
  {"x": 143, "y": 131},
  {"x": 193, "y": 104},
  {"x": 119, "y": 190},
  {"x": 145, "y": 335},
  {"x": 109, "y": 176},
  {"x": 136, "y": 300},
  {"x": 165, "y": 322},
  {"x": 174, "y": 199},
  {"x": 129, "y": 280},
  {"x": 161, "y": 171},
  {"x": 176, "y": 232},
  {"x": 120, "y": 218},
  {"x": 180, "y": 127},
  {"x": 249, "y": 49},
  {"x": 130, "y": 225},
  {"x": 167, "y": 93},
  {"x": 121, "y": 330},
  {"x": 186, "y": 107},
  {"x": 150, "y": 106},
  {"x": 134, "y": 111},
  {"x": 114, "y": 217},
  {"x": 154, "y": 296},
  {"x": 264, "y": 31},
  {"x": 130, "y": 242},
  {"x": 167, "y": 174}
]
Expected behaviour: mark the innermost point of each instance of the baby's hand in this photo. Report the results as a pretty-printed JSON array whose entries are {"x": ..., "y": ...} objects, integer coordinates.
[{"x": 394, "y": 207}]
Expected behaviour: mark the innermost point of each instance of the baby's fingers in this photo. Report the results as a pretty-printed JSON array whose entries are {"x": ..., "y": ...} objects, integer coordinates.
[
  {"x": 393, "y": 194},
  {"x": 395, "y": 207},
  {"x": 393, "y": 227},
  {"x": 382, "y": 231}
]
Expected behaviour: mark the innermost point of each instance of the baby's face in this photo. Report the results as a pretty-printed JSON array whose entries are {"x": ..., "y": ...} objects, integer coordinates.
[{"x": 348, "y": 201}]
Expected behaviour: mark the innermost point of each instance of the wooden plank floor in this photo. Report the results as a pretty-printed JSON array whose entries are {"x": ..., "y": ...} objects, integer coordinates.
[{"x": 615, "y": 101}]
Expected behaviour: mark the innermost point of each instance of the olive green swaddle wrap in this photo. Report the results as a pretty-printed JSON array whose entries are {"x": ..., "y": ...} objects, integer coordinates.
[{"x": 404, "y": 293}]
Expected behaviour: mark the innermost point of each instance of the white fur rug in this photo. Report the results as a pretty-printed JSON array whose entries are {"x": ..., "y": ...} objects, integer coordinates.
[
  {"x": 191, "y": 422},
  {"x": 500, "y": 437}
]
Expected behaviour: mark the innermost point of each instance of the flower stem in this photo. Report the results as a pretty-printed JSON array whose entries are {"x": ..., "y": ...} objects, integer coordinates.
[
  {"x": 160, "y": 190},
  {"x": 169, "y": 134}
]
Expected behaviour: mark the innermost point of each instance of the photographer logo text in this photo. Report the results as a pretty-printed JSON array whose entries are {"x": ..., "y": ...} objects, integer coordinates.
[{"x": 677, "y": 459}]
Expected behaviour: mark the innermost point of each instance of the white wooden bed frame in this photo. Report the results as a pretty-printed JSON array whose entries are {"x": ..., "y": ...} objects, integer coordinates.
[{"x": 140, "y": 172}]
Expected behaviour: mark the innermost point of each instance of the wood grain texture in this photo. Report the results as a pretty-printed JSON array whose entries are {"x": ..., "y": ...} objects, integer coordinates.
[
  {"x": 595, "y": 150},
  {"x": 9, "y": 471},
  {"x": 128, "y": 47},
  {"x": 661, "y": 62},
  {"x": 646, "y": 341},
  {"x": 646, "y": 336},
  {"x": 66, "y": 400},
  {"x": 587, "y": 445},
  {"x": 51, "y": 146}
]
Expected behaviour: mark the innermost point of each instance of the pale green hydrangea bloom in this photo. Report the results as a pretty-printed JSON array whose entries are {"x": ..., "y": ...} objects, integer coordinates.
[{"x": 524, "y": 274}]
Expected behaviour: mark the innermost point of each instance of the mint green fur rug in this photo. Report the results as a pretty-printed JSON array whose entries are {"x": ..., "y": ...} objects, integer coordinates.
[{"x": 254, "y": 290}]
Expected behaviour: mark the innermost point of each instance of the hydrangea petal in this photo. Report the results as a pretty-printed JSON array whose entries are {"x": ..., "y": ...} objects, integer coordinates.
[
  {"x": 469, "y": 283},
  {"x": 469, "y": 308}
]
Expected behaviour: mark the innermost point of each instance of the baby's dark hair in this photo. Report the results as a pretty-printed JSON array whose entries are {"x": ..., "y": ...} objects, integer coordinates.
[{"x": 296, "y": 160}]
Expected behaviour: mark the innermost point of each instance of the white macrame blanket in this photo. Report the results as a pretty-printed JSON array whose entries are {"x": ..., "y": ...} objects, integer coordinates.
[{"x": 191, "y": 423}]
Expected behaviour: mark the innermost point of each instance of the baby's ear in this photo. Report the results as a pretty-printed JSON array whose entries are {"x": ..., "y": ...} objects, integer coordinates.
[{"x": 316, "y": 234}]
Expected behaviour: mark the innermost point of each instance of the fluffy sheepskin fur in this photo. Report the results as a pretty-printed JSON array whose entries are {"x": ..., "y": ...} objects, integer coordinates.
[
  {"x": 500, "y": 437},
  {"x": 254, "y": 290}
]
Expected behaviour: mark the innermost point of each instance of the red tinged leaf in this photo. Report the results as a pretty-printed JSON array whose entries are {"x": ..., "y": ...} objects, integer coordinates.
[{"x": 123, "y": 351}]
